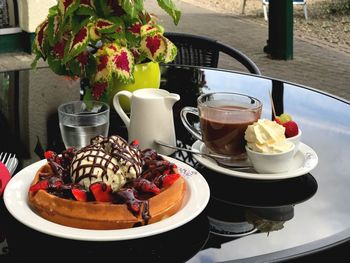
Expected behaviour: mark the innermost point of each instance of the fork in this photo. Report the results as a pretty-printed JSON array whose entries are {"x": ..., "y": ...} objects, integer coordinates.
[{"x": 10, "y": 161}]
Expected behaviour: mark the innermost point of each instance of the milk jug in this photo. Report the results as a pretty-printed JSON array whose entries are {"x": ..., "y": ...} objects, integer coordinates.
[{"x": 151, "y": 117}]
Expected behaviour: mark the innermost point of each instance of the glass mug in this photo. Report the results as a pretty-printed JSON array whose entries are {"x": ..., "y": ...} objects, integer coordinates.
[
  {"x": 224, "y": 117},
  {"x": 80, "y": 121}
]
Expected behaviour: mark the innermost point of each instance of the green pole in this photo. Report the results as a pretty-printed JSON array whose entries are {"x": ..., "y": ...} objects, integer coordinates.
[{"x": 280, "y": 42}]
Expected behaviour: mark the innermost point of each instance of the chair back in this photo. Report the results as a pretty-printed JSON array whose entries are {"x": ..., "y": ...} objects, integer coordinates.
[{"x": 203, "y": 51}]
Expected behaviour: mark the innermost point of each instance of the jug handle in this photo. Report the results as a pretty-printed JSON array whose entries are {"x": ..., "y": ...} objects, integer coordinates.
[{"x": 118, "y": 107}]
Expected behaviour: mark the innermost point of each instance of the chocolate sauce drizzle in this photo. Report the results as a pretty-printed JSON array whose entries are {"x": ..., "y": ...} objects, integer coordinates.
[{"x": 110, "y": 154}]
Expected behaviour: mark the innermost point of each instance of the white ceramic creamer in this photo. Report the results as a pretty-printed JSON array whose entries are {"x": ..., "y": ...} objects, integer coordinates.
[{"x": 151, "y": 117}]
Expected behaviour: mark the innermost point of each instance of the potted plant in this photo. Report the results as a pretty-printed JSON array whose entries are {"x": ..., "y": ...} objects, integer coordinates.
[{"x": 102, "y": 40}]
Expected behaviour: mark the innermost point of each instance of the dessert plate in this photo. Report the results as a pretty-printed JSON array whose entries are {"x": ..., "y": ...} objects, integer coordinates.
[
  {"x": 195, "y": 200},
  {"x": 305, "y": 159}
]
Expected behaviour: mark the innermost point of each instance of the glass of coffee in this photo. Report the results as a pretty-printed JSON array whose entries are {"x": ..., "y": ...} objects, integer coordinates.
[{"x": 224, "y": 117}]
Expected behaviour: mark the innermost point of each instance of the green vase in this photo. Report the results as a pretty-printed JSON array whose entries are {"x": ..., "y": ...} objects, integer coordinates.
[{"x": 146, "y": 75}]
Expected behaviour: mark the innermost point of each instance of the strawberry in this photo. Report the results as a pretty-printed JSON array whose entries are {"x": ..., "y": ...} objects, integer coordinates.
[
  {"x": 170, "y": 179},
  {"x": 50, "y": 154},
  {"x": 291, "y": 129},
  {"x": 79, "y": 194},
  {"x": 43, "y": 184},
  {"x": 101, "y": 192},
  {"x": 145, "y": 186},
  {"x": 135, "y": 143}
]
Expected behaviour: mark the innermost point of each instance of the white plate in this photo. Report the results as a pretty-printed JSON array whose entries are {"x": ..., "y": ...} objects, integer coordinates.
[
  {"x": 195, "y": 200},
  {"x": 303, "y": 162}
]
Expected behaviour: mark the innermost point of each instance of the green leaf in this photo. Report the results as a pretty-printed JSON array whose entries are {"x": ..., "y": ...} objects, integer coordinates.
[
  {"x": 132, "y": 7},
  {"x": 67, "y": 7},
  {"x": 35, "y": 61},
  {"x": 77, "y": 43},
  {"x": 53, "y": 28},
  {"x": 53, "y": 10},
  {"x": 102, "y": 8},
  {"x": 74, "y": 67},
  {"x": 56, "y": 66},
  {"x": 122, "y": 64},
  {"x": 86, "y": 8},
  {"x": 77, "y": 22},
  {"x": 105, "y": 26},
  {"x": 91, "y": 67},
  {"x": 40, "y": 39},
  {"x": 169, "y": 7}
]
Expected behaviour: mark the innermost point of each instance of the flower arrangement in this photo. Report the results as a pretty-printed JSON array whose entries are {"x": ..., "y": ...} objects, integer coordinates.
[{"x": 101, "y": 40}]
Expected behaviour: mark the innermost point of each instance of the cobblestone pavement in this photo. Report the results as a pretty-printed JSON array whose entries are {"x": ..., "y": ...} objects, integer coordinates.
[{"x": 315, "y": 64}]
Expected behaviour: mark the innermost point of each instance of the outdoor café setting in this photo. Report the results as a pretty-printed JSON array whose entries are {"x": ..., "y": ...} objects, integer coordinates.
[{"x": 197, "y": 131}]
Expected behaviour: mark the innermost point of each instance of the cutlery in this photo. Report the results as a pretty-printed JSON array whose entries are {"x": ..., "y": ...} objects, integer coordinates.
[
  {"x": 214, "y": 157},
  {"x": 10, "y": 161}
]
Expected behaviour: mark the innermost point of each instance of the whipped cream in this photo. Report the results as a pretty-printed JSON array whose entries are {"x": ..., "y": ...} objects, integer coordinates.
[
  {"x": 267, "y": 136},
  {"x": 108, "y": 159}
]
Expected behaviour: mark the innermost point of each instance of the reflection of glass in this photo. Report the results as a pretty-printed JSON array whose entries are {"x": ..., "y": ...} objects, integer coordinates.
[
  {"x": 241, "y": 207},
  {"x": 227, "y": 220},
  {"x": 80, "y": 121},
  {"x": 267, "y": 219}
]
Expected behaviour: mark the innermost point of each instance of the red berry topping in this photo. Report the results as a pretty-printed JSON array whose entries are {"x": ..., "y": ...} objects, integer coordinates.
[
  {"x": 135, "y": 143},
  {"x": 291, "y": 129},
  {"x": 41, "y": 185},
  {"x": 170, "y": 179},
  {"x": 79, "y": 194},
  {"x": 145, "y": 186},
  {"x": 50, "y": 155},
  {"x": 101, "y": 192}
]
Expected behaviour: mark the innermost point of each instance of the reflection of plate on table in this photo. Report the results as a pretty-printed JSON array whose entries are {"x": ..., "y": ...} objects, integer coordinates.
[
  {"x": 15, "y": 198},
  {"x": 303, "y": 162}
]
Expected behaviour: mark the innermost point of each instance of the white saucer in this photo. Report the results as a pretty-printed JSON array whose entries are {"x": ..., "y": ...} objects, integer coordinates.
[
  {"x": 195, "y": 200},
  {"x": 304, "y": 161}
]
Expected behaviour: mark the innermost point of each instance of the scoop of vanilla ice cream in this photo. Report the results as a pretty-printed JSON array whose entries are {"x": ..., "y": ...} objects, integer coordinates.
[
  {"x": 267, "y": 136},
  {"x": 92, "y": 164}
]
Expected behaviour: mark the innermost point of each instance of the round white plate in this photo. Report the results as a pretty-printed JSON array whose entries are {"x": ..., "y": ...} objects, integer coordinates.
[
  {"x": 195, "y": 200},
  {"x": 305, "y": 159}
]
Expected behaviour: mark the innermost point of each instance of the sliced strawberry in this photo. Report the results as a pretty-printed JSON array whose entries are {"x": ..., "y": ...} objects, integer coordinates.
[
  {"x": 101, "y": 192},
  {"x": 79, "y": 194},
  {"x": 41, "y": 185},
  {"x": 135, "y": 143},
  {"x": 50, "y": 154},
  {"x": 170, "y": 179},
  {"x": 145, "y": 186},
  {"x": 291, "y": 129}
]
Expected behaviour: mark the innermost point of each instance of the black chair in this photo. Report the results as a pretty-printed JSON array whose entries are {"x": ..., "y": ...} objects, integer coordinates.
[{"x": 203, "y": 51}]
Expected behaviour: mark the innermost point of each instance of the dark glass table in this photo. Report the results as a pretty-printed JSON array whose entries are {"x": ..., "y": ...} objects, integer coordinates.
[{"x": 301, "y": 218}]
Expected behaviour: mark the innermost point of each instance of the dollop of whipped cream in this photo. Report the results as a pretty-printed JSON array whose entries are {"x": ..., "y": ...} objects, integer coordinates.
[
  {"x": 108, "y": 159},
  {"x": 266, "y": 136}
]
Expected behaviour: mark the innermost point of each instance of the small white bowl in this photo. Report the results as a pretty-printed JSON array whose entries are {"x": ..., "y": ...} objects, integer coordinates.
[
  {"x": 271, "y": 162},
  {"x": 295, "y": 139}
]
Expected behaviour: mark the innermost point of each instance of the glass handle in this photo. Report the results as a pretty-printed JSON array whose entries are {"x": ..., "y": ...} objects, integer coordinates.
[{"x": 193, "y": 130}]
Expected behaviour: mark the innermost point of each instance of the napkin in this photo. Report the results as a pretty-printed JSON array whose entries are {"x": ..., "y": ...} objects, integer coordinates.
[{"x": 4, "y": 177}]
